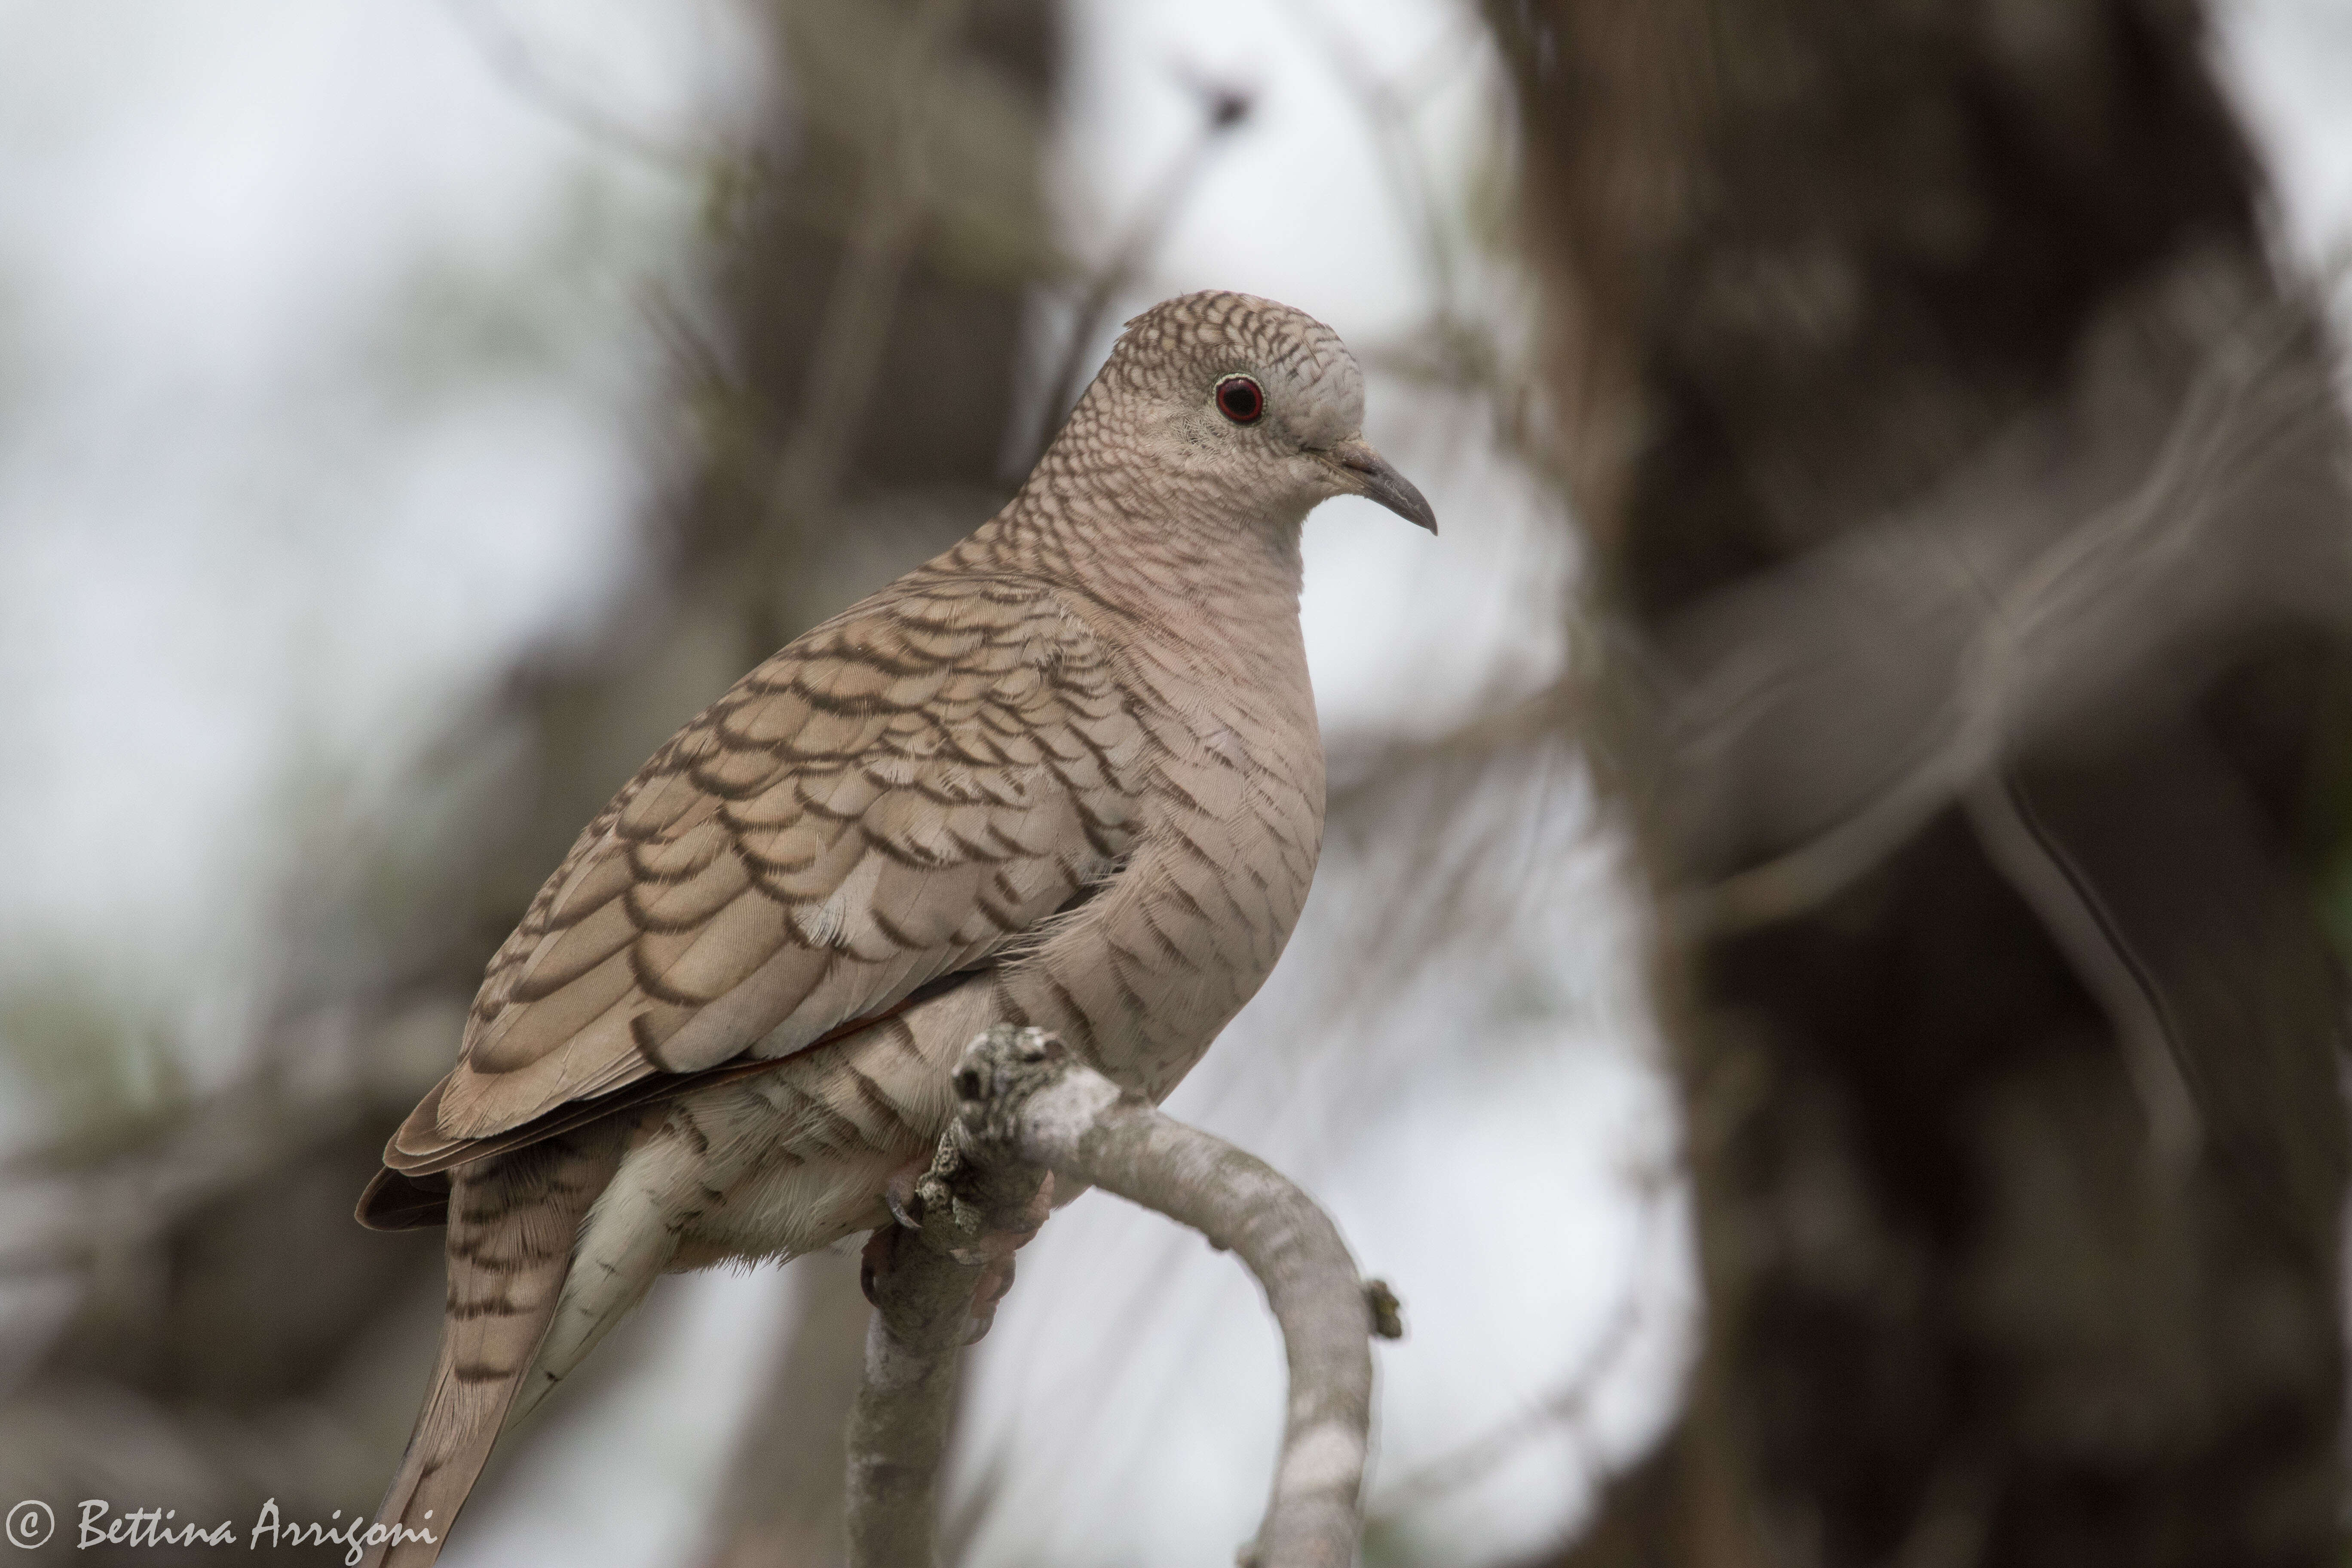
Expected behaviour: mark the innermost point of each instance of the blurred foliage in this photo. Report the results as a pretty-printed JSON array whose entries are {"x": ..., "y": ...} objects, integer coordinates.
[
  {"x": 233, "y": 1334},
  {"x": 99, "y": 1062}
]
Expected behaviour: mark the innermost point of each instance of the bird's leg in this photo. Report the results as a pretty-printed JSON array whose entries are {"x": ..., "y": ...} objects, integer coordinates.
[{"x": 976, "y": 1216}]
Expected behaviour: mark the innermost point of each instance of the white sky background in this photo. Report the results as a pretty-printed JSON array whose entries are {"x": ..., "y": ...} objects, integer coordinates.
[{"x": 320, "y": 365}]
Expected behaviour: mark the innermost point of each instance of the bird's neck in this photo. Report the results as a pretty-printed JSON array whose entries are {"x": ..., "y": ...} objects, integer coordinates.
[
  {"x": 1141, "y": 547},
  {"x": 1183, "y": 581}
]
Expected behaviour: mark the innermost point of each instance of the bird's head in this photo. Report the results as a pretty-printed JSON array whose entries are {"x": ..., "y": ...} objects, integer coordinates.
[{"x": 1254, "y": 397}]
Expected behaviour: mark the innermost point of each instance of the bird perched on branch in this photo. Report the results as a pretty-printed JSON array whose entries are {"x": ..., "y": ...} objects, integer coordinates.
[{"x": 1067, "y": 773}]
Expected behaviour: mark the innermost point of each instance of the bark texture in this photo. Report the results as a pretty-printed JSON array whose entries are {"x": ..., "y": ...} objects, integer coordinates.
[
  {"x": 1972, "y": 498},
  {"x": 1029, "y": 1105}
]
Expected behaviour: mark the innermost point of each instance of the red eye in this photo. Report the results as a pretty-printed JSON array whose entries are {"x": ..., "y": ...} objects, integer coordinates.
[{"x": 1239, "y": 400}]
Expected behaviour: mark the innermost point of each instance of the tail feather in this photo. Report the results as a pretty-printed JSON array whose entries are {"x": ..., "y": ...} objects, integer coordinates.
[
  {"x": 622, "y": 1250},
  {"x": 512, "y": 1221}
]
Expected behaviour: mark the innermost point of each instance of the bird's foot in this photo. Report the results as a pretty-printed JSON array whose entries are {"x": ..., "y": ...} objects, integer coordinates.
[{"x": 978, "y": 1215}]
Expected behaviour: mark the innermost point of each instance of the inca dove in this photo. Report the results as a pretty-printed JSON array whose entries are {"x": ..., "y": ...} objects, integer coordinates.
[{"x": 1067, "y": 773}]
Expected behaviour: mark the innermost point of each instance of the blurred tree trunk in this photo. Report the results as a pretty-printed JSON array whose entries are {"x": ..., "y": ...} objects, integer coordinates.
[
  {"x": 846, "y": 390},
  {"x": 1971, "y": 497}
]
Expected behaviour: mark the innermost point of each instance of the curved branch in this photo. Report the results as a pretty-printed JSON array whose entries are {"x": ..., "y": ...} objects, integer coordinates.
[{"x": 1026, "y": 1103}]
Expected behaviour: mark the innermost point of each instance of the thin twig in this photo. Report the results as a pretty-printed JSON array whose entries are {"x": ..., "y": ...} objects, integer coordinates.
[
  {"x": 66, "y": 1215},
  {"x": 1475, "y": 742},
  {"x": 1225, "y": 108},
  {"x": 2120, "y": 555},
  {"x": 1569, "y": 1404},
  {"x": 2077, "y": 919},
  {"x": 1389, "y": 109},
  {"x": 510, "y": 57},
  {"x": 845, "y": 365}
]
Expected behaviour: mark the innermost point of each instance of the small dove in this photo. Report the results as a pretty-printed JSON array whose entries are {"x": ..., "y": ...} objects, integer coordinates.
[{"x": 1065, "y": 774}]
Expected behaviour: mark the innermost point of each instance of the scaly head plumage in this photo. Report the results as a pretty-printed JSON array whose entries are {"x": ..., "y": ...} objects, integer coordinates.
[{"x": 1248, "y": 398}]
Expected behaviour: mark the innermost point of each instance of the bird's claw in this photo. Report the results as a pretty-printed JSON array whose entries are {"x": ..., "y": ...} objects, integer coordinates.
[
  {"x": 922, "y": 1198},
  {"x": 904, "y": 1196}
]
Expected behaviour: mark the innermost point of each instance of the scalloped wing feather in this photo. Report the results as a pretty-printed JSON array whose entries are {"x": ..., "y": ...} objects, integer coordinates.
[{"x": 892, "y": 798}]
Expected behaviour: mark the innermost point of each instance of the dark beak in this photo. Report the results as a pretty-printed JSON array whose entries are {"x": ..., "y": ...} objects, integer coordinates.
[{"x": 1367, "y": 474}]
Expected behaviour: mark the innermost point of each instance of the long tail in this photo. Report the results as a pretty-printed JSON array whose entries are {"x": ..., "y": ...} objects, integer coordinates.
[
  {"x": 512, "y": 1221},
  {"x": 622, "y": 1250}
]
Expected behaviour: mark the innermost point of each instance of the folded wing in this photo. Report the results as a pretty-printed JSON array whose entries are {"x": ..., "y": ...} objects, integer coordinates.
[{"x": 897, "y": 796}]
